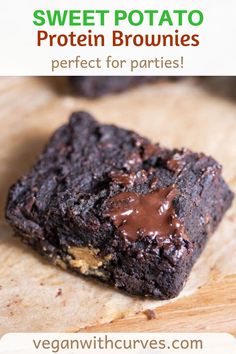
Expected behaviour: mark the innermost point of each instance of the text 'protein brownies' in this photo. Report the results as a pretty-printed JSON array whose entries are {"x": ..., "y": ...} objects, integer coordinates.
[{"x": 106, "y": 202}]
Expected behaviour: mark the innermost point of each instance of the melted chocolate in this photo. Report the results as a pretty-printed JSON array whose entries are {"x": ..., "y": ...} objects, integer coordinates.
[
  {"x": 154, "y": 183},
  {"x": 178, "y": 161},
  {"x": 149, "y": 150},
  {"x": 128, "y": 180},
  {"x": 146, "y": 151},
  {"x": 123, "y": 178},
  {"x": 151, "y": 214},
  {"x": 133, "y": 160}
]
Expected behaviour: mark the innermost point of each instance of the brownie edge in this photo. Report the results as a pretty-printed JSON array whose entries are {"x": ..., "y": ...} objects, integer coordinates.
[{"x": 105, "y": 202}]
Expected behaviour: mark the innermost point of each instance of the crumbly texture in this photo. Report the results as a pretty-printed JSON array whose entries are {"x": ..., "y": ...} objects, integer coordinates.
[
  {"x": 105, "y": 202},
  {"x": 97, "y": 86}
]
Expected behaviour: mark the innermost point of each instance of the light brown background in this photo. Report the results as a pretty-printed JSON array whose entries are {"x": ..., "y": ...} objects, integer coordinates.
[{"x": 187, "y": 113}]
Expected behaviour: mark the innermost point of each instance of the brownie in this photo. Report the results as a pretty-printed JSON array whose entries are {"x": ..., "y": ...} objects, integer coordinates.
[
  {"x": 97, "y": 86},
  {"x": 106, "y": 202}
]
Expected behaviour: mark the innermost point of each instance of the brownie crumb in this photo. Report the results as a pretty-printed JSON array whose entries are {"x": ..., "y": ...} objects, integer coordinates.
[
  {"x": 150, "y": 314},
  {"x": 59, "y": 292}
]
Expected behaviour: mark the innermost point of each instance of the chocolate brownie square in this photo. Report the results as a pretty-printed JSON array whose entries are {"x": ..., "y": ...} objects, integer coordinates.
[{"x": 105, "y": 202}]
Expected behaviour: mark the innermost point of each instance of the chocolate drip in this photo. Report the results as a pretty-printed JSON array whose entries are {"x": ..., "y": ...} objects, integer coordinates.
[
  {"x": 128, "y": 180},
  {"x": 177, "y": 162},
  {"x": 123, "y": 178},
  {"x": 151, "y": 214}
]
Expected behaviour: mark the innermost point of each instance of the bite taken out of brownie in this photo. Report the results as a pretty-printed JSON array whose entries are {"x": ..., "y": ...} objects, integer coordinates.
[{"x": 105, "y": 202}]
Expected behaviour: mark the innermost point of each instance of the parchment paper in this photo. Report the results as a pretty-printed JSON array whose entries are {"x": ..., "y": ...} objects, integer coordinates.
[{"x": 36, "y": 296}]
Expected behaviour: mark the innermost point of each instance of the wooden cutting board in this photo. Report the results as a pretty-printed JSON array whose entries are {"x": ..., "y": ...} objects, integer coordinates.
[{"x": 211, "y": 308}]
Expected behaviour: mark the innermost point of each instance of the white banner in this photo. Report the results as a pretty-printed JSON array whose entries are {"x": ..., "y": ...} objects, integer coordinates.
[
  {"x": 108, "y": 343},
  {"x": 103, "y": 37}
]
